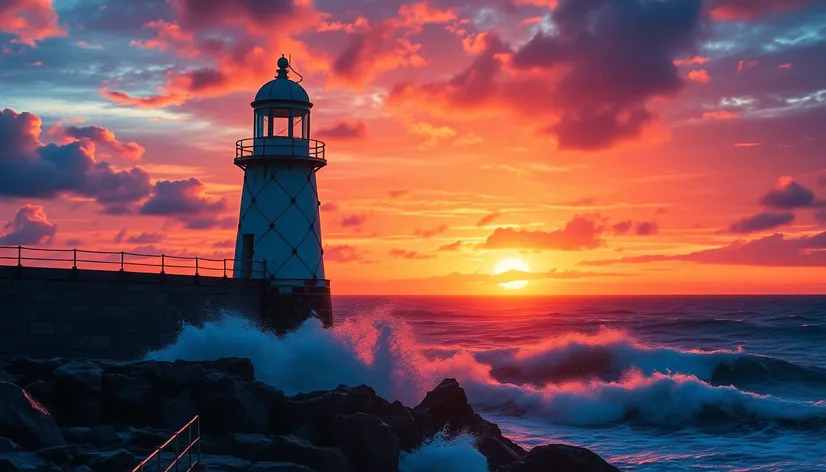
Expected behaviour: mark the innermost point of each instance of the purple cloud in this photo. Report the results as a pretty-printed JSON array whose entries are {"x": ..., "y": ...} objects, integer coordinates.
[
  {"x": 30, "y": 227},
  {"x": 761, "y": 222}
]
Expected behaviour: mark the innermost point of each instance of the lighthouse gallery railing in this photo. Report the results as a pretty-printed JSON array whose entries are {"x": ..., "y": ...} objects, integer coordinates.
[
  {"x": 124, "y": 261},
  {"x": 279, "y": 145}
]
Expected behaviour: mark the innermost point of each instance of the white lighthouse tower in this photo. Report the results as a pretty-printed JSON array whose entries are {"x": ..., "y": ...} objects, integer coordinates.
[{"x": 279, "y": 231}]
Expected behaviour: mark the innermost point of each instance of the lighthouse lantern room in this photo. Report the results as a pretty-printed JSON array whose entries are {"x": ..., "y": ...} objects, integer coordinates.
[{"x": 279, "y": 230}]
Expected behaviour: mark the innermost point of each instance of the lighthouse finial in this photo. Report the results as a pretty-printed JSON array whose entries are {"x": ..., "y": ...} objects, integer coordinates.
[{"x": 283, "y": 66}]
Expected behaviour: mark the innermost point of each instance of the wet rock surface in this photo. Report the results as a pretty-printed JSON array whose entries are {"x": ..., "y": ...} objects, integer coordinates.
[{"x": 81, "y": 415}]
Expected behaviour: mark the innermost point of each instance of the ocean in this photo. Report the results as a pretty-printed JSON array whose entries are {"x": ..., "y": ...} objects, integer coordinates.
[{"x": 671, "y": 383}]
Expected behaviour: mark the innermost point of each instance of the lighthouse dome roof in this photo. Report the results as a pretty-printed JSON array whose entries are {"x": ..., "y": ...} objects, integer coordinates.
[{"x": 282, "y": 88}]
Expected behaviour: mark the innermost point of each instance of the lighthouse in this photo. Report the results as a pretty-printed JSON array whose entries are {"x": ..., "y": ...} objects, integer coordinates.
[{"x": 279, "y": 228}]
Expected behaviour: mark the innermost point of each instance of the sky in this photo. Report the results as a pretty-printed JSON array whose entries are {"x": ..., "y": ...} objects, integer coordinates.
[{"x": 594, "y": 146}]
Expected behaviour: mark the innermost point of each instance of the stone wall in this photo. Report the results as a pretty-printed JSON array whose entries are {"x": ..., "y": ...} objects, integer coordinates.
[{"x": 48, "y": 312}]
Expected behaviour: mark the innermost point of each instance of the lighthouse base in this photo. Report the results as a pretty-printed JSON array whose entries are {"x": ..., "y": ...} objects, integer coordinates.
[{"x": 285, "y": 308}]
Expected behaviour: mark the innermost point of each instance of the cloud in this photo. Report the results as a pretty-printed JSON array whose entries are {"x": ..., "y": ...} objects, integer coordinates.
[
  {"x": 343, "y": 254},
  {"x": 225, "y": 243},
  {"x": 120, "y": 236},
  {"x": 750, "y": 10},
  {"x": 771, "y": 251},
  {"x": 788, "y": 195},
  {"x": 30, "y": 227},
  {"x": 488, "y": 219},
  {"x": 700, "y": 76},
  {"x": 329, "y": 207},
  {"x": 430, "y": 232},
  {"x": 29, "y": 168},
  {"x": 581, "y": 233},
  {"x": 398, "y": 193},
  {"x": 412, "y": 255},
  {"x": 638, "y": 228},
  {"x": 146, "y": 238},
  {"x": 561, "y": 79},
  {"x": 450, "y": 247},
  {"x": 821, "y": 178},
  {"x": 353, "y": 221},
  {"x": 184, "y": 201},
  {"x": 101, "y": 138},
  {"x": 720, "y": 115},
  {"x": 761, "y": 222},
  {"x": 29, "y": 21},
  {"x": 344, "y": 130}
]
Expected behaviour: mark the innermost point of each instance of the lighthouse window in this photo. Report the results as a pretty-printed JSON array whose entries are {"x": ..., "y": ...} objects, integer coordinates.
[
  {"x": 280, "y": 122},
  {"x": 262, "y": 124},
  {"x": 301, "y": 124}
]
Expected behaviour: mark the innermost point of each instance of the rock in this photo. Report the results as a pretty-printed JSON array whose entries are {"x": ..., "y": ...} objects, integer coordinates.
[
  {"x": 82, "y": 468},
  {"x": 97, "y": 436},
  {"x": 446, "y": 408},
  {"x": 322, "y": 459},
  {"x": 58, "y": 454},
  {"x": 367, "y": 442},
  {"x": 26, "y": 462},
  {"x": 127, "y": 400},
  {"x": 7, "y": 445},
  {"x": 252, "y": 447},
  {"x": 147, "y": 438},
  {"x": 119, "y": 460},
  {"x": 224, "y": 463},
  {"x": 238, "y": 367},
  {"x": 174, "y": 413},
  {"x": 43, "y": 392},
  {"x": 279, "y": 467},
  {"x": 78, "y": 392},
  {"x": 228, "y": 406},
  {"x": 25, "y": 421},
  {"x": 561, "y": 458},
  {"x": 31, "y": 370}
]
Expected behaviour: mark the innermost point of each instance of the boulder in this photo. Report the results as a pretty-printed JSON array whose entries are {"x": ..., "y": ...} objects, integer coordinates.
[
  {"x": 119, "y": 460},
  {"x": 367, "y": 442},
  {"x": 25, "y": 421},
  {"x": 228, "y": 406},
  {"x": 26, "y": 462},
  {"x": 446, "y": 408},
  {"x": 78, "y": 393},
  {"x": 224, "y": 463},
  {"x": 30, "y": 370},
  {"x": 561, "y": 458},
  {"x": 7, "y": 445},
  {"x": 43, "y": 392},
  {"x": 252, "y": 447},
  {"x": 127, "y": 400},
  {"x": 174, "y": 413},
  {"x": 279, "y": 467},
  {"x": 98, "y": 436},
  {"x": 322, "y": 459}
]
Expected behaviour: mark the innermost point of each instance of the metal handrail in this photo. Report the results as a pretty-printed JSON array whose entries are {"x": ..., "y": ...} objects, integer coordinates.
[
  {"x": 212, "y": 266},
  {"x": 278, "y": 146},
  {"x": 179, "y": 454}
]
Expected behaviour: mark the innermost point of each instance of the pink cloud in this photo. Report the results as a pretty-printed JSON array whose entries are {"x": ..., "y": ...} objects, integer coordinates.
[
  {"x": 581, "y": 233},
  {"x": 30, "y": 227},
  {"x": 101, "y": 138},
  {"x": 30, "y": 21},
  {"x": 700, "y": 76}
]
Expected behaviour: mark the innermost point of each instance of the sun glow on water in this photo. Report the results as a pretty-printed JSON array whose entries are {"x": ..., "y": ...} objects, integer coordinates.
[{"x": 512, "y": 264}]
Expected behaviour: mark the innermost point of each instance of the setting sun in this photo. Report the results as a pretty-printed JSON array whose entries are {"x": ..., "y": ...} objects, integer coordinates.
[{"x": 507, "y": 265}]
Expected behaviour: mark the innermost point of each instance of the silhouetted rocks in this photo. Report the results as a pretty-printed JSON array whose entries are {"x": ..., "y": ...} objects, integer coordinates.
[{"x": 110, "y": 415}]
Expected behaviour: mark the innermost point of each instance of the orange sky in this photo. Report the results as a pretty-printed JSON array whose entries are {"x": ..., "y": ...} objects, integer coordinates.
[{"x": 677, "y": 150}]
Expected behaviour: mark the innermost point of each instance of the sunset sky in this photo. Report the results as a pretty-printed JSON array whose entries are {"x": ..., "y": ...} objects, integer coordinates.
[{"x": 613, "y": 146}]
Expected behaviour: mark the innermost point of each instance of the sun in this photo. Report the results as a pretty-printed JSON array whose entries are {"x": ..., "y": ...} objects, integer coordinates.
[{"x": 506, "y": 265}]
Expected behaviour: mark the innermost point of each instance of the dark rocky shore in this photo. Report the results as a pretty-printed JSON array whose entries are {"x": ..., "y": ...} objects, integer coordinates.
[{"x": 82, "y": 415}]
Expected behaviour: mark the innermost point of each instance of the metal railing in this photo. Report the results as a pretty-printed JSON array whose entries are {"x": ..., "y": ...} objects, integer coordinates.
[
  {"x": 192, "y": 446},
  {"x": 129, "y": 262},
  {"x": 279, "y": 146}
]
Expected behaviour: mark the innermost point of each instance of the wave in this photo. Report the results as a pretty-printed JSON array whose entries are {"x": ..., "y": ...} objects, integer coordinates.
[
  {"x": 624, "y": 381},
  {"x": 610, "y": 353}
]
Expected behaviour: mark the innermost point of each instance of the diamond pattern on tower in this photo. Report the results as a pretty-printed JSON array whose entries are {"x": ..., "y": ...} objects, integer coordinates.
[{"x": 289, "y": 213}]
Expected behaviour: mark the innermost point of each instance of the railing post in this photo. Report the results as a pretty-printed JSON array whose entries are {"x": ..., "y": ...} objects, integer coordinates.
[
  {"x": 74, "y": 259},
  {"x": 189, "y": 444},
  {"x": 159, "y": 461},
  {"x": 177, "y": 450},
  {"x": 163, "y": 263},
  {"x": 19, "y": 256},
  {"x": 225, "y": 268},
  {"x": 198, "y": 432},
  {"x": 121, "y": 261},
  {"x": 196, "y": 265}
]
